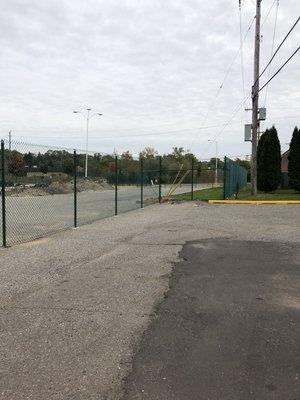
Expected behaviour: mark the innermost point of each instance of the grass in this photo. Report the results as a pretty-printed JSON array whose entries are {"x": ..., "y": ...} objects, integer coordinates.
[
  {"x": 217, "y": 194},
  {"x": 279, "y": 194},
  {"x": 203, "y": 195}
]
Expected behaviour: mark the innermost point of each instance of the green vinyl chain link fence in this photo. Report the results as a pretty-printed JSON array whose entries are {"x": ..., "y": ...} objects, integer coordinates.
[
  {"x": 235, "y": 178},
  {"x": 44, "y": 189}
]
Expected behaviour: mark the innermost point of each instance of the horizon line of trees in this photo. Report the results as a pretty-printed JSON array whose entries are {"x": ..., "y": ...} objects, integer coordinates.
[
  {"x": 103, "y": 166},
  {"x": 18, "y": 164}
]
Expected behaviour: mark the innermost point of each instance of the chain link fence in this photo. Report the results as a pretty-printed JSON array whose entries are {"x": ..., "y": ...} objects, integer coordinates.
[
  {"x": 47, "y": 189},
  {"x": 235, "y": 178},
  {"x": 31, "y": 177}
]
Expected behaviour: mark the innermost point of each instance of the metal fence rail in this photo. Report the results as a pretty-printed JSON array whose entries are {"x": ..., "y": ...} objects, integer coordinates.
[{"x": 235, "y": 178}]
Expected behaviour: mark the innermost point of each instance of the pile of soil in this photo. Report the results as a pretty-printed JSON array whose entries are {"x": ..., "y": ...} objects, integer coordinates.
[{"x": 58, "y": 188}]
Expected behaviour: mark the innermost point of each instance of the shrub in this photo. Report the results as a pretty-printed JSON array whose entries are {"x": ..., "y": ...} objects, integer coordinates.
[
  {"x": 268, "y": 161},
  {"x": 294, "y": 161}
]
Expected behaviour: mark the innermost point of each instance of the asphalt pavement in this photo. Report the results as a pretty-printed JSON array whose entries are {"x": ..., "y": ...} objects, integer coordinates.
[
  {"x": 74, "y": 307},
  {"x": 228, "y": 329}
]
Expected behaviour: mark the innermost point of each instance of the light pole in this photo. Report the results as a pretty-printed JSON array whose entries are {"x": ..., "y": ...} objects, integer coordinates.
[
  {"x": 87, "y": 117},
  {"x": 216, "y": 166}
]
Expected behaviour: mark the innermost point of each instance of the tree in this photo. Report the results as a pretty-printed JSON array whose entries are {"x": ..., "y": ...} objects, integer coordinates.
[
  {"x": 178, "y": 153},
  {"x": 212, "y": 163},
  {"x": 148, "y": 152},
  {"x": 44, "y": 168},
  {"x": 294, "y": 161},
  {"x": 245, "y": 164},
  {"x": 126, "y": 155},
  {"x": 268, "y": 161},
  {"x": 16, "y": 164},
  {"x": 68, "y": 166},
  {"x": 29, "y": 159}
]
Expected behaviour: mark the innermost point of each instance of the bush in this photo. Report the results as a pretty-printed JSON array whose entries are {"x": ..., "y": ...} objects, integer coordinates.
[
  {"x": 268, "y": 161},
  {"x": 294, "y": 161}
]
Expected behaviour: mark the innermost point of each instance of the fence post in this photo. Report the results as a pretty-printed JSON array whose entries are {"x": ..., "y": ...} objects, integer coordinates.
[
  {"x": 75, "y": 187},
  {"x": 159, "y": 179},
  {"x": 224, "y": 178},
  {"x": 4, "y": 243},
  {"x": 192, "y": 181},
  {"x": 142, "y": 181},
  {"x": 116, "y": 185}
]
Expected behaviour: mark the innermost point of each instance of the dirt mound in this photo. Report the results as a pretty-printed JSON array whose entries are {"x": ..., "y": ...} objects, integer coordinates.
[
  {"x": 58, "y": 188},
  {"x": 90, "y": 185}
]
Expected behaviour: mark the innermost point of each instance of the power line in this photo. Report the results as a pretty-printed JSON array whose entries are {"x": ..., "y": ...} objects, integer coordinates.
[
  {"x": 272, "y": 49},
  {"x": 268, "y": 13},
  {"x": 224, "y": 80},
  {"x": 242, "y": 55},
  {"x": 229, "y": 121},
  {"x": 233, "y": 114},
  {"x": 277, "y": 72},
  {"x": 278, "y": 48},
  {"x": 135, "y": 135},
  {"x": 237, "y": 53},
  {"x": 159, "y": 133}
]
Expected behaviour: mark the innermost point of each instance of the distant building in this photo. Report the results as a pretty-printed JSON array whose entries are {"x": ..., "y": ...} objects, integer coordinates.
[
  {"x": 284, "y": 170},
  {"x": 285, "y": 161}
]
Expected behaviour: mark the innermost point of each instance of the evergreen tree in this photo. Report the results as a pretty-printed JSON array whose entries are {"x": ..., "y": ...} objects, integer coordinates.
[
  {"x": 294, "y": 161},
  {"x": 268, "y": 161}
]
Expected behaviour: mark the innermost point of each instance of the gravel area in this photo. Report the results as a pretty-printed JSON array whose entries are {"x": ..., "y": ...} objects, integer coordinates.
[{"x": 74, "y": 306}]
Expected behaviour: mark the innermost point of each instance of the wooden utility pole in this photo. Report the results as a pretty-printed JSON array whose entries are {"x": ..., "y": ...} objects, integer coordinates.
[
  {"x": 255, "y": 96},
  {"x": 9, "y": 140}
]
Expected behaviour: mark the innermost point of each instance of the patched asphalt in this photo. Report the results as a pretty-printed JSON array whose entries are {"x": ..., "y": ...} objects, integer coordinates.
[
  {"x": 74, "y": 306},
  {"x": 228, "y": 329}
]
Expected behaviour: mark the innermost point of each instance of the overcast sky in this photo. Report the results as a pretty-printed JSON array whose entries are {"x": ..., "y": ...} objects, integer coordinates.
[{"x": 152, "y": 67}]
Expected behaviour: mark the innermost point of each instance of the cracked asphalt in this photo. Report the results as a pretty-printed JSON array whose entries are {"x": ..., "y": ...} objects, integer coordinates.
[{"x": 75, "y": 307}]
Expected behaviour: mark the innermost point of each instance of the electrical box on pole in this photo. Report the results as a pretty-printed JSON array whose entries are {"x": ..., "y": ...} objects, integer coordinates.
[
  {"x": 248, "y": 133},
  {"x": 262, "y": 114}
]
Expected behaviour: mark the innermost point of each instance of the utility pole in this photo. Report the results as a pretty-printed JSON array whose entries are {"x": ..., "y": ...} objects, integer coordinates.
[
  {"x": 255, "y": 97},
  {"x": 87, "y": 143},
  {"x": 9, "y": 140}
]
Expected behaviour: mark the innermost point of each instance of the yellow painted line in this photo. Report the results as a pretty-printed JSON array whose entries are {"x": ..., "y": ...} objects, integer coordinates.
[{"x": 255, "y": 202}]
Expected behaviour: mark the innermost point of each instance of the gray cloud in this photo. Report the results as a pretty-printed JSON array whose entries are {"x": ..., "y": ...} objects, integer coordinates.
[{"x": 149, "y": 66}]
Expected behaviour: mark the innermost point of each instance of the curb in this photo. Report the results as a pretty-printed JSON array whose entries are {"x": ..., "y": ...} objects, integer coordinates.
[{"x": 255, "y": 202}]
